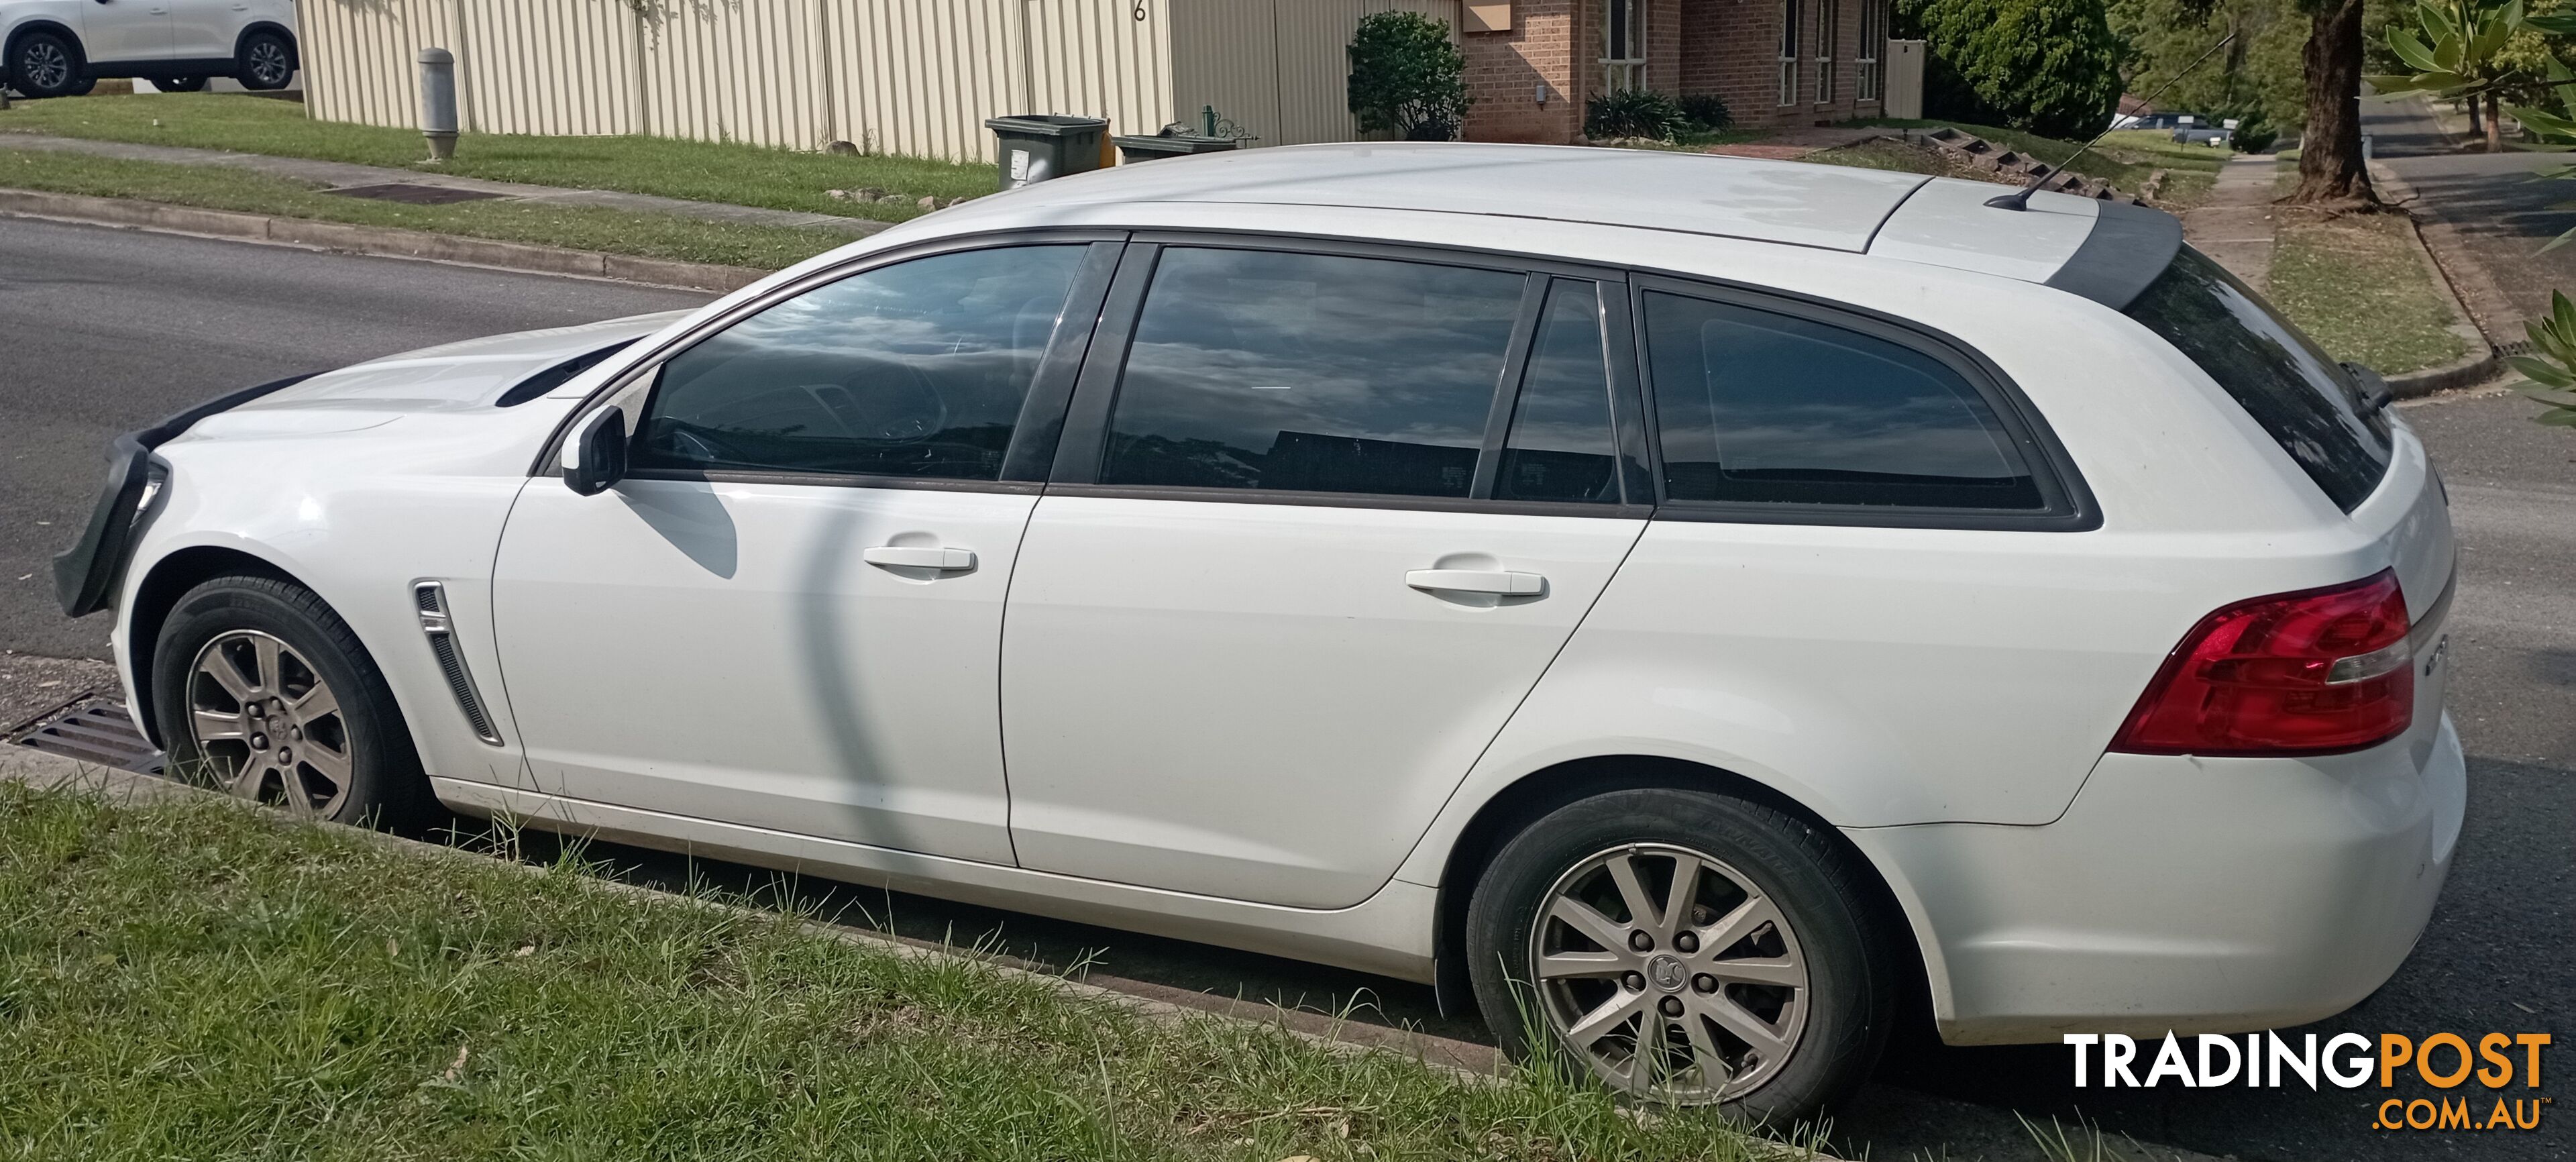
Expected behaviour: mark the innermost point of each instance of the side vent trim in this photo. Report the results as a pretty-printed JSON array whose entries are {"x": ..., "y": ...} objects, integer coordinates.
[{"x": 430, "y": 598}]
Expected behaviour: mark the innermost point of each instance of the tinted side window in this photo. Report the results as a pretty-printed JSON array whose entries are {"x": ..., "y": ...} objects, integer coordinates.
[
  {"x": 1757, "y": 406},
  {"x": 1561, "y": 447},
  {"x": 2301, "y": 397},
  {"x": 1310, "y": 372},
  {"x": 916, "y": 369}
]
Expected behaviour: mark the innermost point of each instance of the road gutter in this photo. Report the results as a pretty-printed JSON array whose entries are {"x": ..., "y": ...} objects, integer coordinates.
[
  {"x": 378, "y": 241},
  {"x": 2462, "y": 281}
]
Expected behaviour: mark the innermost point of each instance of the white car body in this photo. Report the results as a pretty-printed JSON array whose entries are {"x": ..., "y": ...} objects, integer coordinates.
[
  {"x": 150, "y": 38},
  {"x": 1236, "y": 723}
]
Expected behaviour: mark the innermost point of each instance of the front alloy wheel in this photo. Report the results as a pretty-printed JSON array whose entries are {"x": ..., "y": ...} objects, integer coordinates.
[
  {"x": 267, "y": 64},
  {"x": 267, "y": 726},
  {"x": 1669, "y": 974}
]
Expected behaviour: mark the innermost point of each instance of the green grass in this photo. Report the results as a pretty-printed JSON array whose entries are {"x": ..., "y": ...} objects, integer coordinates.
[
  {"x": 702, "y": 171},
  {"x": 203, "y": 981},
  {"x": 578, "y": 227},
  {"x": 1885, "y": 154},
  {"x": 2358, "y": 286},
  {"x": 2125, "y": 158}
]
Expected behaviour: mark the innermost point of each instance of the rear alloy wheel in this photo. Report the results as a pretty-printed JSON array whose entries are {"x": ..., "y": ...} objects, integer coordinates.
[
  {"x": 267, "y": 62},
  {"x": 1685, "y": 948},
  {"x": 262, "y": 691},
  {"x": 1670, "y": 974},
  {"x": 43, "y": 64}
]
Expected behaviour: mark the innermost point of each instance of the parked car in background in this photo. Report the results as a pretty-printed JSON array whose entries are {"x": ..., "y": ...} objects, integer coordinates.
[
  {"x": 60, "y": 48},
  {"x": 2157, "y": 120},
  {"x": 1695, "y": 609}
]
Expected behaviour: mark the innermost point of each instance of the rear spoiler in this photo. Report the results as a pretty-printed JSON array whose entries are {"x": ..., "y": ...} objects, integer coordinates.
[
  {"x": 2129, "y": 247},
  {"x": 86, "y": 576}
]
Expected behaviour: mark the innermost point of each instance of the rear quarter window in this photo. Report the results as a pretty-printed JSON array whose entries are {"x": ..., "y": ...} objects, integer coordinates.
[{"x": 2301, "y": 397}]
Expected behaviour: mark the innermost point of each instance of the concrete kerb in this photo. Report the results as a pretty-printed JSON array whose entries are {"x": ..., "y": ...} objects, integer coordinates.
[
  {"x": 380, "y": 241},
  {"x": 2463, "y": 282},
  {"x": 1477, "y": 1063}
]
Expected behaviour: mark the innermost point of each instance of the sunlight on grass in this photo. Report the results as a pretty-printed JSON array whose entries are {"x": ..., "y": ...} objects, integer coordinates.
[{"x": 201, "y": 980}]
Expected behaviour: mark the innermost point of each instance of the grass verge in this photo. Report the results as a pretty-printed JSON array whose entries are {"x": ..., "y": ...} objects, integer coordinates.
[
  {"x": 2125, "y": 158},
  {"x": 747, "y": 175},
  {"x": 2357, "y": 285},
  {"x": 578, "y": 227},
  {"x": 194, "y": 979}
]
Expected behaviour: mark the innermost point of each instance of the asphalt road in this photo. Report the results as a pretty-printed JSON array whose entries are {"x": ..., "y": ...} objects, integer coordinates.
[{"x": 102, "y": 330}]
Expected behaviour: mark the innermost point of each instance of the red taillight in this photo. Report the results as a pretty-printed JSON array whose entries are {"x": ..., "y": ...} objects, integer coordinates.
[{"x": 2299, "y": 673}]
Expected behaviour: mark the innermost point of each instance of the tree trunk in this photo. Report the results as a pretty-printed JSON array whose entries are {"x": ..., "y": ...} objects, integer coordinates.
[
  {"x": 2330, "y": 169},
  {"x": 2477, "y": 127},
  {"x": 2495, "y": 130}
]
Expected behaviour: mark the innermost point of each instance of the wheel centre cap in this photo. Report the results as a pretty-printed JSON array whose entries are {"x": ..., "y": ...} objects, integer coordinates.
[{"x": 1667, "y": 972}]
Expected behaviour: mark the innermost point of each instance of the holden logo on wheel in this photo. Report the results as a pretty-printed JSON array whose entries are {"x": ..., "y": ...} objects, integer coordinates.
[{"x": 1667, "y": 973}]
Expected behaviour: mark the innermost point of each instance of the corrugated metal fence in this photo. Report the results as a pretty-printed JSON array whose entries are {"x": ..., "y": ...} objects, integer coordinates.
[{"x": 896, "y": 76}]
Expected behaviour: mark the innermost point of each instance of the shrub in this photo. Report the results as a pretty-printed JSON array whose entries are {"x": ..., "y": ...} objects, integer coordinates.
[
  {"x": 1406, "y": 76},
  {"x": 1706, "y": 112},
  {"x": 2050, "y": 67},
  {"x": 2254, "y": 133},
  {"x": 1634, "y": 113}
]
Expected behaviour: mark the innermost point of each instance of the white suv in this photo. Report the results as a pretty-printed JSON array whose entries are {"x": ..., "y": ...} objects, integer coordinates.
[
  {"x": 60, "y": 48},
  {"x": 1704, "y": 604}
]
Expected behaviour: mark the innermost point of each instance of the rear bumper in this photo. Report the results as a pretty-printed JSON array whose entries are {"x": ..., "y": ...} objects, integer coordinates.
[{"x": 2185, "y": 894}]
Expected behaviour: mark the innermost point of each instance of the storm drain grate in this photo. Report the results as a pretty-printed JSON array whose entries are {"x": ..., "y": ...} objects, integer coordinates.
[
  {"x": 415, "y": 195},
  {"x": 95, "y": 732}
]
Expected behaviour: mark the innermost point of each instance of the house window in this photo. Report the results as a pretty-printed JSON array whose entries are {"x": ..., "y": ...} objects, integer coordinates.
[
  {"x": 1623, "y": 45},
  {"x": 1873, "y": 41},
  {"x": 1789, "y": 17},
  {"x": 1828, "y": 32}
]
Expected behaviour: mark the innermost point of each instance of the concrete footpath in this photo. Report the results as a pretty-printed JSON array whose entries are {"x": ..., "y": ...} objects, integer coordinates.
[
  {"x": 348, "y": 175},
  {"x": 2234, "y": 226}
]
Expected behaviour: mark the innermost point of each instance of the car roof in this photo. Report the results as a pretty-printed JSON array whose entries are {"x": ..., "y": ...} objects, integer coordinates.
[{"x": 1942, "y": 221}]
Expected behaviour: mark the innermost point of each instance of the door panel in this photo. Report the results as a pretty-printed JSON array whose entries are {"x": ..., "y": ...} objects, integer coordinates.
[
  {"x": 1272, "y": 610},
  {"x": 127, "y": 31},
  {"x": 726, "y": 651},
  {"x": 206, "y": 29},
  {"x": 1249, "y": 700}
]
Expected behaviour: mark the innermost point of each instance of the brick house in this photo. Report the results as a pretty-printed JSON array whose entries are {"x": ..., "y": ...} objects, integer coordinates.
[{"x": 1778, "y": 63}]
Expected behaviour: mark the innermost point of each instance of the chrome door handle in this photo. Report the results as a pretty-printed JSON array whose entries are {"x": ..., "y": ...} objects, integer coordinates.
[
  {"x": 1502, "y": 582},
  {"x": 920, "y": 557}
]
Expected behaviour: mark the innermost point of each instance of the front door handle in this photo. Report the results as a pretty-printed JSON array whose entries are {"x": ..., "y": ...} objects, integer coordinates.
[
  {"x": 1502, "y": 582},
  {"x": 920, "y": 557}
]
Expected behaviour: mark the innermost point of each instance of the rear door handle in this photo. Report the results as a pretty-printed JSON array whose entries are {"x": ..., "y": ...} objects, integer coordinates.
[
  {"x": 920, "y": 557},
  {"x": 1503, "y": 582}
]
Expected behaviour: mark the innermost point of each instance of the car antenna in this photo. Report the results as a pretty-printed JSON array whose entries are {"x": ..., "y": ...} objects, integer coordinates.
[{"x": 2020, "y": 199}]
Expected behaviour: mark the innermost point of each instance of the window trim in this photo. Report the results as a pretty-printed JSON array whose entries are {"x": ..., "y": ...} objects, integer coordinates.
[
  {"x": 2068, "y": 504},
  {"x": 1828, "y": 31},
  {"x": 1048, "y": 389},
  {"x": 1790, "y": 15},
  {"x": 1084, "y": 446}
]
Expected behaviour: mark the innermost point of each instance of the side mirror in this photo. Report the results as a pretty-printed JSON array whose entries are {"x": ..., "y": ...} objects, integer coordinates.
[{"x": 594, "y": 457}]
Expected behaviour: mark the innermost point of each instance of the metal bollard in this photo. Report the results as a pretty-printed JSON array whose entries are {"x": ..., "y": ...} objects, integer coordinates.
[{"x": 438, "y": 102}]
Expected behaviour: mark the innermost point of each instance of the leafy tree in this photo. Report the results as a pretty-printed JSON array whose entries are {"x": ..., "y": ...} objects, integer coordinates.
[
  {"x": 2257, "y": 75},
  {"x": 2476, "y": 49},
  {"x": 2050, "y": 67},
  {"x": 2550, "y": 370},
  {"x": 1406, "y": 76}
]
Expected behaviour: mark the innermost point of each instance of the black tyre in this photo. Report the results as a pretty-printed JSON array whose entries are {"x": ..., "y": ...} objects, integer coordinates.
[
  {"x": 262, "y": 691},
  {"x": 1687, "y": 948},
  {"x": 266, "y": 61},
  {"x": 177, "y": 84},
  {"x": 47, "y": 64}
]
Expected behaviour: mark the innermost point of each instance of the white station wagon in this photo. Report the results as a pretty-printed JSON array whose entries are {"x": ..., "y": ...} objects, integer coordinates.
[{"x": 1703, "y": 606}]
